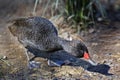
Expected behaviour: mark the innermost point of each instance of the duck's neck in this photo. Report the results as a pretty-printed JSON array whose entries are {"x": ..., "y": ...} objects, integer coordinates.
[{"x": 65, "y": 44}]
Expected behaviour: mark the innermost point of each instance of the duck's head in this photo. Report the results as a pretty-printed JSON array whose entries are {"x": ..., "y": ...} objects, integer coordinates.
[{"x": 79, "y": 49}]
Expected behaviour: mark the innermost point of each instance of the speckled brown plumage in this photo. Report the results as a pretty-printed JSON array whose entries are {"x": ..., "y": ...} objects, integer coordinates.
[
  {"x": 41, "y": 34},
  {"x": 36, "y": 32}
]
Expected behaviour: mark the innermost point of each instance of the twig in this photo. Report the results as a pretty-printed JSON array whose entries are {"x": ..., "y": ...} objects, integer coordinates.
[
  {"x": 45, "y": 8},
  {"x": 34, "y": 9},
  {"x": 5, "y": 61},
  {"x": 56, "y": 5}
]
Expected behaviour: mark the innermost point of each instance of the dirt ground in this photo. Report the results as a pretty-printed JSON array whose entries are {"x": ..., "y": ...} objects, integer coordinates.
[
  {"x": 103, "y": 44},
  {"x": 104, "y": 47}
]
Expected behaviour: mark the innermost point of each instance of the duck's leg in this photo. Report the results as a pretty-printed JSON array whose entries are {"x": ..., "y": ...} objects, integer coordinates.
[{"x": 30, "y": 62}]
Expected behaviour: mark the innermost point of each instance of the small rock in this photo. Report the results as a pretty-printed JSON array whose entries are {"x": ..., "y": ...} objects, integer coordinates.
[
  {"x": 4, "y": 57},
  {"x": 117, "y": 45},
  {"x": 99, "y": 19},
  {"x": 91, "y": 30},
  {"x": 118, "y": 59},
  {"x": 94, "y": 44}
]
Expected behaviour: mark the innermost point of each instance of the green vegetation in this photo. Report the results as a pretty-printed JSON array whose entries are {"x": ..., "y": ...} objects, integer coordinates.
[
  {"x": 84, "y": 11},
  {"x": 80, "y": 13}
]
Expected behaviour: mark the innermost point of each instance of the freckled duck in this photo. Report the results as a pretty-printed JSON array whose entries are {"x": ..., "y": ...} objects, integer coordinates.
[{"x": 40, "y": 33}]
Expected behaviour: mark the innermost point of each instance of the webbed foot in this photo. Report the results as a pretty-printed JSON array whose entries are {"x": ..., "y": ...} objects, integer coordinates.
[{"x": 34, "y": 64}]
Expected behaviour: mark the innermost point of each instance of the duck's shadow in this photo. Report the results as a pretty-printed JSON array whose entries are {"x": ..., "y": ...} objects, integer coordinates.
[{"x": 63, "y": 56}]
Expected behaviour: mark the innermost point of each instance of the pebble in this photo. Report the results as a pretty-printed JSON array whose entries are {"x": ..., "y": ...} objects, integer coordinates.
[
  {"x": 99, "y": 19},
  {"x": 94, "y": 44},
  {"x": 5, "y": 57},
  {"x": 118, "y": 59},
  {"x": 91, "y": 30}
]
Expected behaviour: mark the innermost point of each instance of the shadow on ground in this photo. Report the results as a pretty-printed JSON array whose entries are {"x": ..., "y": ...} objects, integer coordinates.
[{"x": 64, "y": 56}]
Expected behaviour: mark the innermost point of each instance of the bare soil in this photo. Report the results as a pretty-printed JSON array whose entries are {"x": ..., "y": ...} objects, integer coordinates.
[
  {"x": 104, "y": 47},
  {"x": 103, "y": 44}
]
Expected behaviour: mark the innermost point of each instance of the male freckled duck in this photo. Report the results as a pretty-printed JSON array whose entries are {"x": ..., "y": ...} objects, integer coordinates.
[{"x": 40, "y": 33}]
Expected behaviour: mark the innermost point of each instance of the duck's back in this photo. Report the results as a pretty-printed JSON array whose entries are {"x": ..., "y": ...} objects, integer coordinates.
[{"x": 35, "y": 32}]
